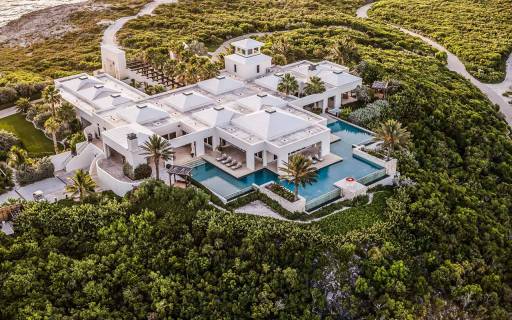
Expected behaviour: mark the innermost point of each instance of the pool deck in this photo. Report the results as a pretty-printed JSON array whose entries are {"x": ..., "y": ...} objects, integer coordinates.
[{"x": 244, "y": 171}]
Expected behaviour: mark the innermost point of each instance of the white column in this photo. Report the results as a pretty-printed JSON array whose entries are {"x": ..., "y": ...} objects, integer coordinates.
[
  {"x": 215, "y": 141},
  {"x": 325, "y": 103},
  {"x": 264, "y": 158},
  {"x": 249, "y": 159},
  {"x": 199, "y": 147},
  {"x": 337, "y": 100},
  {"x": 281, "y": 159},
  {"x": 325, "y": 147}
]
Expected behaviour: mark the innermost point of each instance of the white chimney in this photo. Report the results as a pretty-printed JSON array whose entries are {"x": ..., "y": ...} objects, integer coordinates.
[{"x": 132, "y": 142}]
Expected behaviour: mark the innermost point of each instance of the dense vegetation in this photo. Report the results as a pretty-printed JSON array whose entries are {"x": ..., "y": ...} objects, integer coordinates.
[
  {"x": 477, "y": 31},
  {"x": 439, "y": 249},
  {"x": 145, "y": 257},
  {"x": 56, "y": 57}
]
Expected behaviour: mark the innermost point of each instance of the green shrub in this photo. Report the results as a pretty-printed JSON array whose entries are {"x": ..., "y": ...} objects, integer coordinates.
[
  {"x": 370, "y": 115},
  {"x": 7, "y": 140},
  {"x": 6, "y": 182},
  {"x": 39, "y": 170},
  {"x": 74, "y": 139},
  {"x": 41, "y": 118},
  {"x": 142, "y": 171},
  {"x": 281, "y": 191}
]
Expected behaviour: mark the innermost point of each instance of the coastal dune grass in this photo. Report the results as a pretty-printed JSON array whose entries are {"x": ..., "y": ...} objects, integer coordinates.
[{"x": 477, "y": 31}]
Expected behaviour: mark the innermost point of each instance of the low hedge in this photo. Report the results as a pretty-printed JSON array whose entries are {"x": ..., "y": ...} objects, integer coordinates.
[{"x": 281, "y": 191}]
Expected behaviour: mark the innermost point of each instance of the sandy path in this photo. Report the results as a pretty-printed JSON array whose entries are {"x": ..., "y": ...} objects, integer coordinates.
[
  {"x": 492, "y": 91},
  {"x": 109, "y": 35}
]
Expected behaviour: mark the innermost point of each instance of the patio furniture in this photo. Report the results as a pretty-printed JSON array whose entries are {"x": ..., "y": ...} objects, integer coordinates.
[
  {"x": 238, "y": 166},
  {"x": 312, "y": 160},
  {"x": 222, "y": 157},
  {"x": 232, "y": 163},
  {"x": 228, "y": 159},
  {"x": 318, "y": 157}
]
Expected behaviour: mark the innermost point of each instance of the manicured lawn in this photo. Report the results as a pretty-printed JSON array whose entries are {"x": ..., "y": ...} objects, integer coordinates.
[
  {"x": 33, "y": 140},
  {"x": 355, "y": 218}
]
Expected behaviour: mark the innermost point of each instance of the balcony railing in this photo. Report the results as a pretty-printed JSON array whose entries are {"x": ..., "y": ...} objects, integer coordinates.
[
  {"x": 326, "y": 197},
  {"x": 374, "y": 176}
]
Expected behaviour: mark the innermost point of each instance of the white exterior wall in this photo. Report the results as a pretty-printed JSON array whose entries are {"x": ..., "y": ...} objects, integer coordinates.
[
  {"x": 390, "y": 165},
  {"x": 113, "y": 61},
  {"x": 247, "y": 70},
  {"x": 108, "y": 182},
  {"x": 59, "y": 160},
  {"x": 84, "y": 158}
]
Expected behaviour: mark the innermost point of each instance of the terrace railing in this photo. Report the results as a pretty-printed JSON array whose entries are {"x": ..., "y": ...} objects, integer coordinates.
[
  {"x": 238, "y": 193},
  {"x": 372, "y": 177},
  {"x": 326, "y": 197}
]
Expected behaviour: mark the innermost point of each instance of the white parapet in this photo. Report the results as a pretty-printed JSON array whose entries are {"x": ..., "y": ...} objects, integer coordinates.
[
  {"x": 297, "y": 206},
  {"x": 350, "y": 188}
]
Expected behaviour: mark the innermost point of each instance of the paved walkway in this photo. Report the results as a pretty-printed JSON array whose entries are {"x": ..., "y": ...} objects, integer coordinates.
[
  {"x": 492, "y": 91},
  {"x": 8, "y": 112},
  {"x": 109, "y": 35}
]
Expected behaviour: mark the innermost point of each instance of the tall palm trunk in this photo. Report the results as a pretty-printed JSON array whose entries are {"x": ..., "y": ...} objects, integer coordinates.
[
  {"x": 157, "y": 169},
  {"x": 296, "y": 190},
  {"x": 55, "y": 147}
]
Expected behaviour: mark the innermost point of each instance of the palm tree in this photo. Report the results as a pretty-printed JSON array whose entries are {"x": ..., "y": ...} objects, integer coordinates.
[
  {"x": 157, "y": 148},
  {"x": 314, "y": 86},
  {"x": 288, "y": 84},
  {"x": 393, "y": 135},
  {"x": 17, "y": 157},
  {"x": 299, "y": 171},
  {"x": 52, "y": 126},
  {"x": 23, "y": 104},
  {"x": 51, "y": 96},
  {"x": 342, "y": 51},
  {"x": 82, "y": 184}
]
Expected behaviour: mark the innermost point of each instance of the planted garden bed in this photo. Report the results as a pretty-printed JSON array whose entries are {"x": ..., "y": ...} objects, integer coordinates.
[{"x": 281, "y": 191}]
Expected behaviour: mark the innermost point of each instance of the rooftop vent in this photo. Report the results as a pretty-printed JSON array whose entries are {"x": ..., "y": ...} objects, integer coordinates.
[
  {"x": 279, "y": 74},
  {"x": 98, "y": 86},
  {"x": 218, "y": 108},
  {"x": 270, "y": 110},
  {"x": 131, "y": 136},
  {"x": 262, "y": 95},
  {"x": 312, "y": 67},
  {"x": 83, "y": 77},
  {"x": 142, "y": 106},
  {"x": 337, "y": 71},
  {"x": 188, "y": 93},
  {"x": 220, "y": 77},
  {"x": 115, "y": 95}
]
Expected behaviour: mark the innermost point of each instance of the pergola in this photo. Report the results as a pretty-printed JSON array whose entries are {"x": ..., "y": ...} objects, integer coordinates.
[{"x": 182, "y": 172}]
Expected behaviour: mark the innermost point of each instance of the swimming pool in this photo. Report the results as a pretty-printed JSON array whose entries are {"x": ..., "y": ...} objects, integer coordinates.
[{"x": 225, "y": 185}]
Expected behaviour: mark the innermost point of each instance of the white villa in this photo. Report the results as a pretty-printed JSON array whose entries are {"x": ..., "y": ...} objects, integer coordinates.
[{"x": 238, "y": 116}]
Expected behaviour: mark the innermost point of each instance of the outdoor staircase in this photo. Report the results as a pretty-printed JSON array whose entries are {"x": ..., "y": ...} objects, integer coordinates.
[{"x": 194, "y": 162}]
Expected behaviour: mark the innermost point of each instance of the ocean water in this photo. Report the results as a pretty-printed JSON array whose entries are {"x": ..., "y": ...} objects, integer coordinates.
[{"x": 13, "y": 9}]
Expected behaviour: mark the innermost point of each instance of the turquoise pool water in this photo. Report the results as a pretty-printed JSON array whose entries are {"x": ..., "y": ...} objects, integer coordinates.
[{"x": 225, "y": 185}]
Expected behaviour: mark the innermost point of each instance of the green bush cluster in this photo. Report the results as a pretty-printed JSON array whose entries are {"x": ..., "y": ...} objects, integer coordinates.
[
  {"x": 281, "y": 191},
  {"x": 39, "y": 169},
  {"x": 142, "y": 171},
  {"x": 478, "y": 32}
]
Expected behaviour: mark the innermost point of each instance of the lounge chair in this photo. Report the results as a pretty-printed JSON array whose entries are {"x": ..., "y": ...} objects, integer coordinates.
[
  {"x": 228, "y": 159},
  {"x": 238, "y": 166},
  {"x": 312, "y": 160},
  {"x": 232, "y": 163},
  {"x": 222, "y": 157},
  {"x": 318, "y": 157}
]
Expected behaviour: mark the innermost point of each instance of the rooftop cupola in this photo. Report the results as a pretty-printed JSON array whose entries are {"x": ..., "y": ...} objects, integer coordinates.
[{"x": 247, "y": 47}]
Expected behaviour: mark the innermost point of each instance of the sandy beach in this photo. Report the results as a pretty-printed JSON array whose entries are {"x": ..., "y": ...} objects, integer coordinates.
[{"x": 43, "y": 24}]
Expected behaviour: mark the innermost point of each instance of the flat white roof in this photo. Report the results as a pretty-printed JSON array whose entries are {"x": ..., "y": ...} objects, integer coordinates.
[
  {"x": 271, "y": 123},
  {"x": 220, "y": 84},
  {"x": 247, "y": 43},
  {"x": 215, "y": 116},
  {"x": 259, "y": 101},
  {"x": 119, "y": 134},
  {"x": 187, "y": 101},
  {"x": 142, "y": 113}
]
